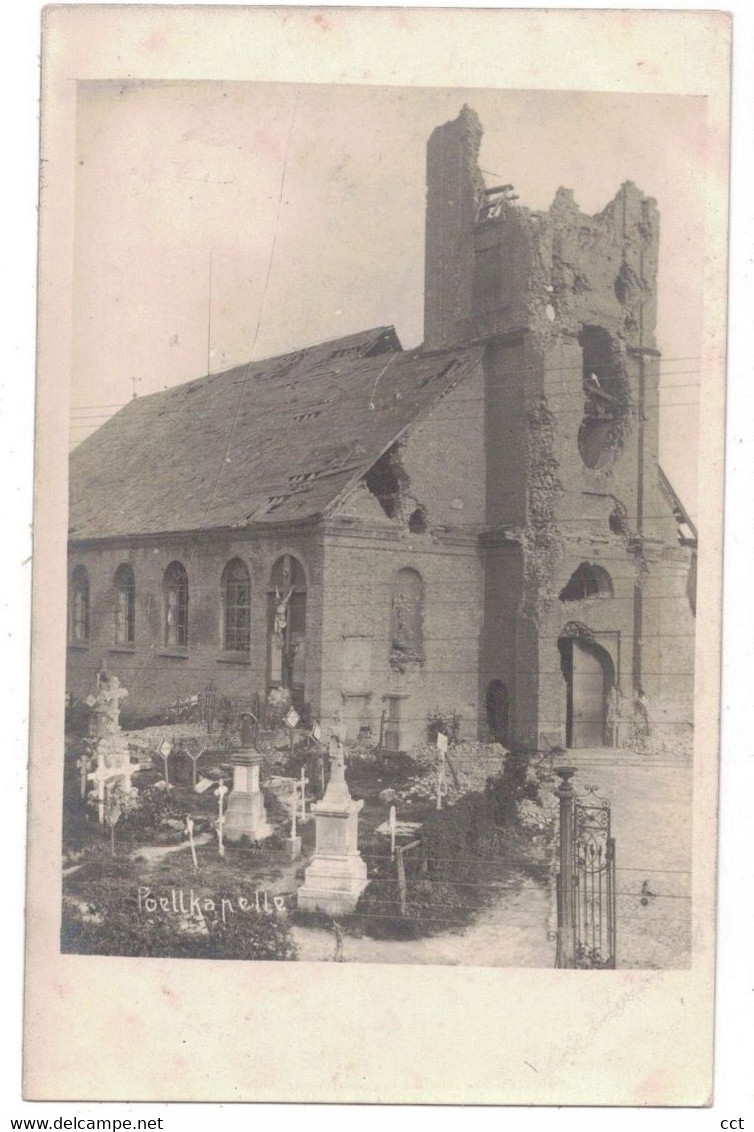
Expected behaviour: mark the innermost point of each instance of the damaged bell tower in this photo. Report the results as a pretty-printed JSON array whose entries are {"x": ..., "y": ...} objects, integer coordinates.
[{"x": 587, "y": 596}]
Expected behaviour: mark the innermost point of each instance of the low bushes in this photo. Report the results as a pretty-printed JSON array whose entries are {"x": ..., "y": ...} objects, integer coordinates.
[{"x": 469, "y": 849}]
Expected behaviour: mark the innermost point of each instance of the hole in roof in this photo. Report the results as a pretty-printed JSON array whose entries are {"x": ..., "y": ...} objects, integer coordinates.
[
  {"x": 273, "y": 502},
  {"x": 384, "y": 481}
]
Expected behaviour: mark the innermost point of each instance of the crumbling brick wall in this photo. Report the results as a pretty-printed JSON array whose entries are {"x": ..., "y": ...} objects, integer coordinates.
[{"x": 566, "y": 303}]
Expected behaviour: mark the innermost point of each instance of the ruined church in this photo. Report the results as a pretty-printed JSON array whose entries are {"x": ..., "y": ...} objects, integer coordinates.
[{"x": 479, "y": 525}]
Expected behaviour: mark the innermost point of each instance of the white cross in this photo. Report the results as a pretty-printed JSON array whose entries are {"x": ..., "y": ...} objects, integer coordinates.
[
  {"x": 392, "y": 824},
  {"x": 126, "y": 771},
  {"x": 100, "y": 776}
]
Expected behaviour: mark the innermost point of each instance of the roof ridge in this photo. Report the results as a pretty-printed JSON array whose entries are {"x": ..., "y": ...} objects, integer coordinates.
[{"x": 371, "y": 334}]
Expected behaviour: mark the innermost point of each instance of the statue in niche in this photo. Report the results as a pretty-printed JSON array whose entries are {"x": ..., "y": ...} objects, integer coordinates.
[{"x": 406, "y": 635}]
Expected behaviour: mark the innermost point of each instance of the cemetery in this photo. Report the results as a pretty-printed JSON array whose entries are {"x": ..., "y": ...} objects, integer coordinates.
[{"x": 249, "y": 843}]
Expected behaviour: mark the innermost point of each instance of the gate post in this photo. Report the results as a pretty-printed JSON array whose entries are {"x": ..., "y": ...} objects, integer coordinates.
[{"x": 566, "y": 912}]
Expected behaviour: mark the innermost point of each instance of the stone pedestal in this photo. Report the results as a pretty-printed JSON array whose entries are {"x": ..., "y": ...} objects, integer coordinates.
[
  {"x": 337, "y": 875},
  {"x": 293, "y": 848},
  {"x": 246, "y": 815}
]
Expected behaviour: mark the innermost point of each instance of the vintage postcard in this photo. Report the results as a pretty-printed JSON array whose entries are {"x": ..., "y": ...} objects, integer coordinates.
[{"x": 377, "y": 580}]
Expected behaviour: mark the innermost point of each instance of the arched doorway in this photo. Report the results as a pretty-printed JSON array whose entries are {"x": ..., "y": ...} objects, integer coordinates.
[
  {"x": 498, "y": 711},
  {"x": 589, "y": 675}
]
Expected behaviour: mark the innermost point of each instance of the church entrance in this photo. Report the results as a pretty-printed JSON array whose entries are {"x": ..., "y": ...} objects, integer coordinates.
[{"x": 589, "y": 675}]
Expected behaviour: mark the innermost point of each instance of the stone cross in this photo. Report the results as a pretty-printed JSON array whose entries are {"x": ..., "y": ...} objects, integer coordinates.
[{"x": 220, "y": 793}]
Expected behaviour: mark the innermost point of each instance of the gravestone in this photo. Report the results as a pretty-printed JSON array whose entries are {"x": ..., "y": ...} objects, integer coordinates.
[
  {"x": 337, "y": 875},
  {"x": 113, "y": 758},
  {"x": 246, "y": 815}
]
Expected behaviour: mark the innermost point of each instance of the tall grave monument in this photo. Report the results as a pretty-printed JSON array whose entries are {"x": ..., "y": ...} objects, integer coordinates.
[{"x": 337, "y": 875}]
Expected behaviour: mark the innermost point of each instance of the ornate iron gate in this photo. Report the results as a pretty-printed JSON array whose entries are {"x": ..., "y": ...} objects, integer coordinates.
[
  {"x": 586, "y": 882},
  {"x": 593, "y": 882}
]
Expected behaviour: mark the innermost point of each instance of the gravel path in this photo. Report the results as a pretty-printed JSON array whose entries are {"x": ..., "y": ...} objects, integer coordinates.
[
  {"x": 651, "y": 821},
  {"x": 512, "y": 932}
]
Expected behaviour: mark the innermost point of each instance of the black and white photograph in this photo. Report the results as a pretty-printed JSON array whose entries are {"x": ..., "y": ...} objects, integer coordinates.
[
  {"x": 378, "y": 555},
  {"x": 382, "y": 543}
]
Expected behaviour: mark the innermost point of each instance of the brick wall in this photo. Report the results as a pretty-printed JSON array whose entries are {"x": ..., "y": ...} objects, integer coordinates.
[
  {"x": 156, "y": 675},
  {"x": 442, "y": 459},
  {"x": 359, "y": 569}
]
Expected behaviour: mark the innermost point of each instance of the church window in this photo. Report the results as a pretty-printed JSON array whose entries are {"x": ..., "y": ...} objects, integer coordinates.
[
  {"x": 587, "y": 581},
  {"x": 236, "y": 607},
  {"x": 80, "y": 619},
  {"x": 124, "y": 611},
  {"x": 176, "y": 594}
]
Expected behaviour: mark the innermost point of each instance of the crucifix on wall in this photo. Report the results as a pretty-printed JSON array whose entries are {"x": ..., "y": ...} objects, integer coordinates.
[
  {"x": 281, "y": 613},
  {"x": 287, "y": 623}
]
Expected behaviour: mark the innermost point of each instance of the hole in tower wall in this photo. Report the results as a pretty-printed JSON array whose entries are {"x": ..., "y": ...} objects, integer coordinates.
[
  {"x": 417, "y": 522},
  {"x": 618, "y": 521},
  {"x": 606, "y": 399}
]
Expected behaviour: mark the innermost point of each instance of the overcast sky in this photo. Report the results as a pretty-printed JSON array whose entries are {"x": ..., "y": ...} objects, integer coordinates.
[{"x": 310, "y": 200}]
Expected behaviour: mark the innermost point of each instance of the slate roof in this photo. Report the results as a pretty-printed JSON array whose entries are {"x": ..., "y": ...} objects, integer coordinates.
[{"x": 275, "y": 440}]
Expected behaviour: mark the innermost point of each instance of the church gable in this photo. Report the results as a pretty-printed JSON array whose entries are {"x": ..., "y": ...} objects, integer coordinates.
[{"x": 433, "y": 475}]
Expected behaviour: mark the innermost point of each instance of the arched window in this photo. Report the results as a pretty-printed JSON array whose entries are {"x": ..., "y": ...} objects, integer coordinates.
[
  {"x": 587, "y": 581},
  {"x": 124, "y": 609},
  {"x": 175, "y": 589},
  {"x": 287, "y": 627},
  {"x": 407, "y": 618},
  {"x": 236, "y": 607},
  {"x": 80, "y": 621}
]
